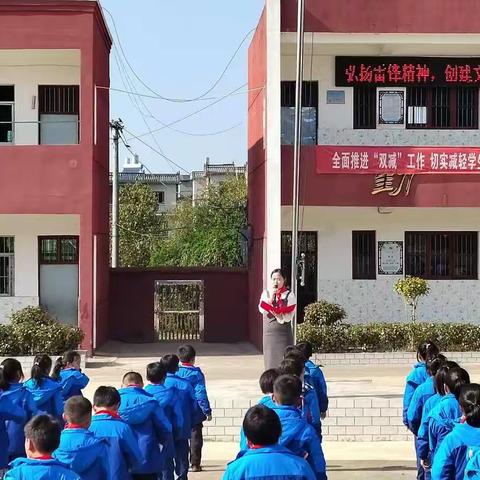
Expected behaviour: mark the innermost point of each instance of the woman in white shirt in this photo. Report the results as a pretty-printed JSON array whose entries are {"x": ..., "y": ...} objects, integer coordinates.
[{"x": 278, "y": 308}]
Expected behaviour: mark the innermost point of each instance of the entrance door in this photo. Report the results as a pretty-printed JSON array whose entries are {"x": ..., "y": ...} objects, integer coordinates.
[
  {"x": 307, "y": 244},
  {"x": 58, "y": 277}
]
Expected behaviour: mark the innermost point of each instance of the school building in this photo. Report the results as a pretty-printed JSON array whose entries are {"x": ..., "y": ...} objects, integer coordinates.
[
  {"x": 390, "y": 158},
  {"x": 54, "y": 153}
]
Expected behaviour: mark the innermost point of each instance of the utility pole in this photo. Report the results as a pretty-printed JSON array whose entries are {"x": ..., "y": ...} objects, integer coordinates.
[
  {"x": 117, "y": 127},
  {"x": 297, "y": 145}
]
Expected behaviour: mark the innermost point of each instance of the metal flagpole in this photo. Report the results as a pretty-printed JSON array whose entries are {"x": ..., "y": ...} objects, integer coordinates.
[{"x": 297, "y": 142}]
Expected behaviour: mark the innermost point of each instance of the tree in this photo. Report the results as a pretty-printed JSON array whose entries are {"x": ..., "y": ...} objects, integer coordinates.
[
  {"x": 207, "y": 233},
  {"x": 411, "y": 289},
  {"x": 140, "y": 224}
]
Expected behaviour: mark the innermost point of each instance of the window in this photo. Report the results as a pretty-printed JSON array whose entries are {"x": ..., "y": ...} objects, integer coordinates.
[
  {"x": 7, "y": 103},
  {"x": 58, "y": 250},
  {"x": 441, "y": 255},
  {"x": 160, "y": 197},
  {"x": 58, "y": 114},
  {"x": 7, "y": 266},
  {"x": 442, "y": 107},
  {"x": 364, "y": 107},
  {"x": 309, "y": 113},
  {"x": 363, "y": 255}
]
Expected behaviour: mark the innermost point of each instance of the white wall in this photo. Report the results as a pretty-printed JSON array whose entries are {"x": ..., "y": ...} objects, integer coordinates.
[
  {"x": 374, "y": 300},
  {"x": 26, "y": 229},
  {"x": 27, "y": 69},
  {"x": 170, "y": 192}
]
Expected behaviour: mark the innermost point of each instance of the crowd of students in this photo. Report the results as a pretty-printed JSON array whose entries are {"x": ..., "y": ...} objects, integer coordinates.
[
  {"x": 442, "y": 409},
  {"x": 48, "y": 430},
  {"x": 281, "y": 437}
]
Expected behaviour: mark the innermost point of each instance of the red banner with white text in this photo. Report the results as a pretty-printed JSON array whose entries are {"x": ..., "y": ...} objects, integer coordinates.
[{"x": 410, "y": 160}]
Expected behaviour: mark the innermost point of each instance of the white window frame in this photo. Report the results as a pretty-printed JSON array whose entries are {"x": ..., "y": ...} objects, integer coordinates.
[{"x": 11, "y": 273}]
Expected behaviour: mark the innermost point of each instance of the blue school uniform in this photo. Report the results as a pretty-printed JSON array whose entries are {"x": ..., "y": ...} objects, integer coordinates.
[
  {"x": 47, "y": 396},
  {"x": 451, "y": 457},
  {"x": 84, "y": 453},
  {"x": 150, "y": 426},
  {"x": 472, "y": 470},
  {"x": 415, "y": 378},
  {"x": 8, "y": 411},
  {"x": 196, "y": 378},
  {"x": 443, "y": 419},
  {"x": 423, "y": 443},
  {"x": 34, "y": 469},
  {"x": 315, "y": 377},
  {"x": 415, "y": 409},
  {"x": 272, "y": 462},
  {"x": 122, "y": 448},
  {"x": 72, "y": 382}
]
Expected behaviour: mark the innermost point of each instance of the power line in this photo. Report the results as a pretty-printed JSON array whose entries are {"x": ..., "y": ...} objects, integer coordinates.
[{"x": 176, "y": 100}]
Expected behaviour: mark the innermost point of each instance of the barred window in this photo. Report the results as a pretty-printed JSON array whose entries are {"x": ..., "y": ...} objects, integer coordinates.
[
  {"x": 58, "y": 250},
  {"x": 442, "y": 255},
  {"x": 7, "y": 266},
  {"x": 363, "y": 255},
  {"x": 364, "y": 107}
]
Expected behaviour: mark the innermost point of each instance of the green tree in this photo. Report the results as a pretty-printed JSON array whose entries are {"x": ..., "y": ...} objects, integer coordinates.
[
  {"x": 207, "y": 233},
  {"x": 411, "y": 289},
  {"x": 140, "y": 225}
]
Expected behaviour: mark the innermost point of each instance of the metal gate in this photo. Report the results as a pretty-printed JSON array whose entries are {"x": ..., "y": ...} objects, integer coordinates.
[{"x": 179, "y": 309}]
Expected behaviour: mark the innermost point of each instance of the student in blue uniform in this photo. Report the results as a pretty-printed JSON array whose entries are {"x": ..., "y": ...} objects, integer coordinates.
[
  {"x": 425, "y": 352},
  {"x": 314, "y": 376},
  {"x": 11, "y": 378},
  {"x": 423, "y": 442},
  {"x": 47, "y": 393},
  {"x": 42, "y": 438},
  {"x": 448, "y": 410},
  {"x": 297, "y": 435},
  {"x": 167, "y": 397},
  {"x": 84, "y": 453},
  {"x": 188, "y": 371},
  {"x": 472, "y": 470},
  {"x": 122, "y": 449},
  {"x": 68, "y": 373},
  {"x": 265, "y": 459},
  {"x": 149, "y": 423},
  {"x": 451, "y": 458},
  {"x": 186, "y": 397}
]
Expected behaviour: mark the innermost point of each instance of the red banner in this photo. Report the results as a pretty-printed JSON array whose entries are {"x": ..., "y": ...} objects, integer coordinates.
[{"x": 410, "y": 160}]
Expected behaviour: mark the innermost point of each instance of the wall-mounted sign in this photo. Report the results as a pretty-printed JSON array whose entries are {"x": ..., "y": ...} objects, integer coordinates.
[
  {"x": 391, "y": 108},
  {"x": 405, "y": 71},
  {"x": 335, "y": 97},
  {"x": 399, "y": 160},
  {"x": 390, "y": 258},
  {"x": 392, "y": 184}
]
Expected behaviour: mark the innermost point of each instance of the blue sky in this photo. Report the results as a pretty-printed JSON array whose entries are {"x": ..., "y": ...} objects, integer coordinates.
[{"x": 179, "y": 48}]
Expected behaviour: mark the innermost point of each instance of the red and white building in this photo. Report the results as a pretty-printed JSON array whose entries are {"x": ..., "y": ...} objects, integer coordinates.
[
  {"x": 54, "y": 152},
  {"x": 389, "y": 181}
]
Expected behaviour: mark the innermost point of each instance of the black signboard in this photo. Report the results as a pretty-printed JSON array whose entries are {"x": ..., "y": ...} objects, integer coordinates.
[{"x": 406, "y": 71}]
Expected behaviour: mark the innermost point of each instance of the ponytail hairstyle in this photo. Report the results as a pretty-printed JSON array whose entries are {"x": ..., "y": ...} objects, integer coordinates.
[
  {"x": 62, "y": 362},
  {"x": 470, "y": 403},
  {"x": 10, "y": 372},
  {"x": 42, "y": 364},
  {"x": 455, "y": 379},
  {"x": 440, "y": 376},
  {"x": 427, "y": 351},
  {"x": 434, "y": 364}
]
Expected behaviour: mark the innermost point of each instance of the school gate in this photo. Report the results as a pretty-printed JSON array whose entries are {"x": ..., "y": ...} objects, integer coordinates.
[{"x": 155, "y": 304}]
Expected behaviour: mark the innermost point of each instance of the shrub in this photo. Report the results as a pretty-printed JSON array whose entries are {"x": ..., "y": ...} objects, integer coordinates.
[
  {"x": 387, "y": 337},
  {"x": 411, "y": 289},
  {"x": 33, "y": 330},
  {"x": 324, "y": 313}
]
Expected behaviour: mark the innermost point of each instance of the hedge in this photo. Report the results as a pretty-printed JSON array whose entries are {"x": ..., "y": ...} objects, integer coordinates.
[
  {"x": 33, "y": 330},
  {"x": 388, "y": 337}
]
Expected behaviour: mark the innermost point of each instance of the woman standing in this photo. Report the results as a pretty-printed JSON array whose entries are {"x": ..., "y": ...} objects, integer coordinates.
[{"x": 278, "y": 308}]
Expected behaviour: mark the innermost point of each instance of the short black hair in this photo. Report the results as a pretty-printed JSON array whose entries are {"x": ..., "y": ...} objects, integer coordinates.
[
  {"x": 306, "y": 348},
  {"x": 106, "y": 397},
  {"x": 171, "y": 363},
  {"x": 186, "y": 353},
  {"x": 267, "y": 379},
  {"x": 295, "y": 354},
  {"x": 292, "y": 366},
  {"x": 132, "y": 378},
  {"x": 262, "y": 425},
  {"x": 44, "y": 432},
  {"x": 156, "y": 372},
  {"x": 77, "y": 409},
  {"x": 287, "y": 390}
]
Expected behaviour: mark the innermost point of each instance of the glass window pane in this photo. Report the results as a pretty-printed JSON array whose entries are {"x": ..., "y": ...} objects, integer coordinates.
[
  {"x": 69, "y": 250},
  {"x": 58, "y": 129},
  {"x": 6, "y": 125},
  {"x": 49, "y": 250}
]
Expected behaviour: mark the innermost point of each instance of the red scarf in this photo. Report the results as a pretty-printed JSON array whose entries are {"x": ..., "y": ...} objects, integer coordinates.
[
  {"x": 252, "y": 446},
  {"x": 43, "y": 457},
  {"x": 281, "y": 307},
  {"x": 109, "y": 412},
  {"x": 186, "y": 364},
  {"x": 73, "y": 426}
]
